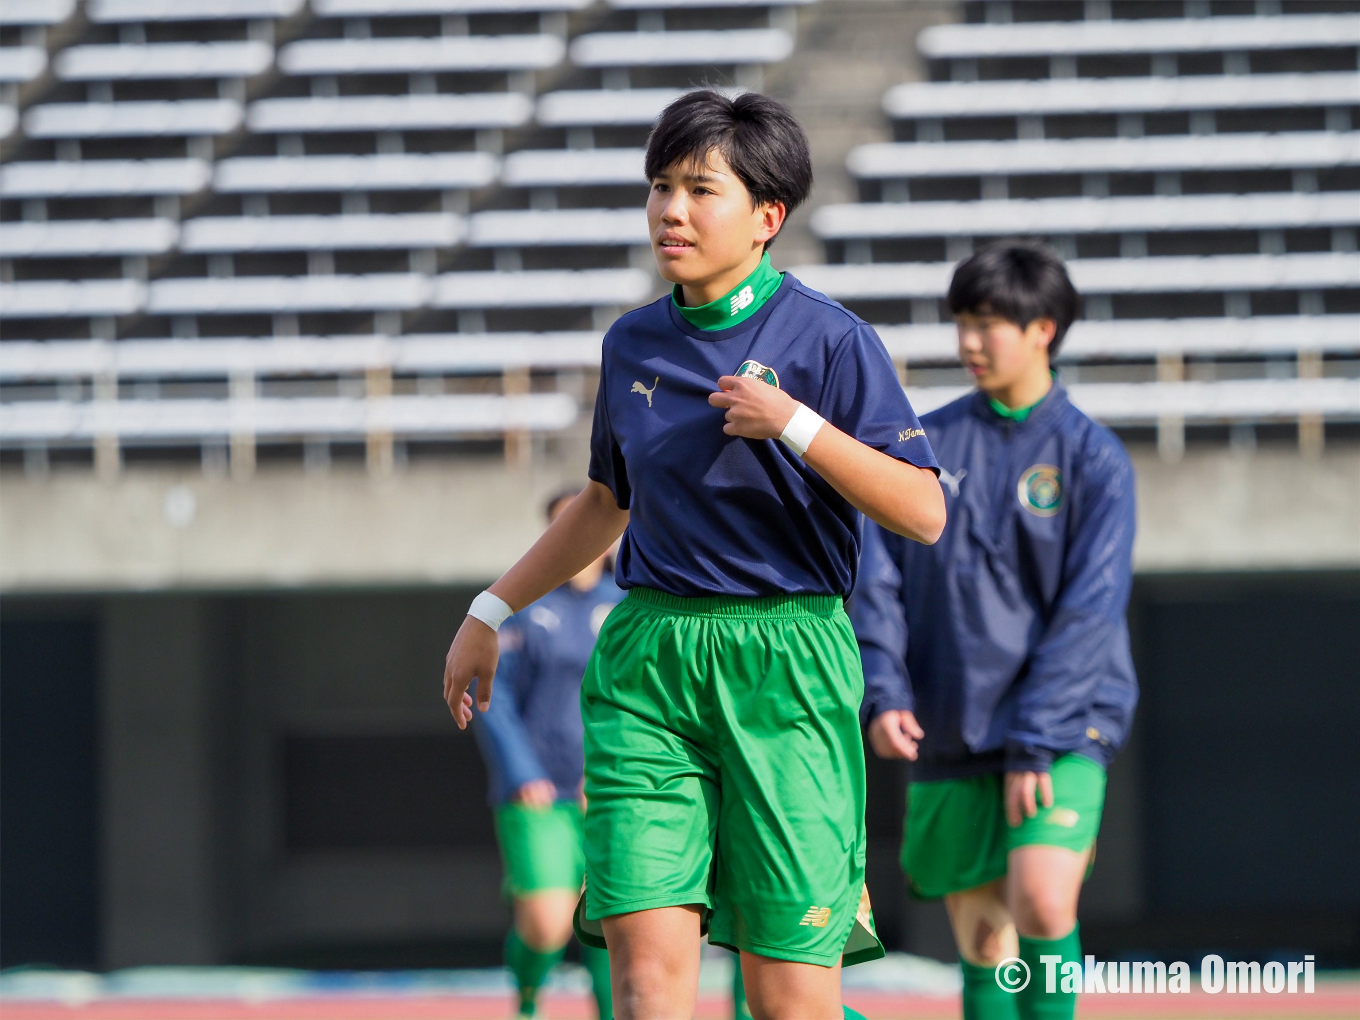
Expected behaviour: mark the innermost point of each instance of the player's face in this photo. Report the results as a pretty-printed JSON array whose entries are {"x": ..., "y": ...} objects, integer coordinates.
[
  {"x": 997, "y": 352},
  {"x": 703, "y": 226}
]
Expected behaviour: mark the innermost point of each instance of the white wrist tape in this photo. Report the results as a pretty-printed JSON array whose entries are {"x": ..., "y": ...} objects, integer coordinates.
[
  {"x": 801, "y": 429},
  {"x": 490, "y": 609}
]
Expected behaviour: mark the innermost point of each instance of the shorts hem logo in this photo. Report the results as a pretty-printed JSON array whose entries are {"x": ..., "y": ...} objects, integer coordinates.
[
  {"x": 1040, "y": 490},
  {"x": 755, "y": 370},
  {"x": 817, "y": 917}
]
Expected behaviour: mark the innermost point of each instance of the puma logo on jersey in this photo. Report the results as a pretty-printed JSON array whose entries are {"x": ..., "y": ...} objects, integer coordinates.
[
  {"x": 817, "y": 917},
  {"x": 741, "y": 299},
  {"x": 639, "y": 388},
  {"x": 952, "y": 481}
]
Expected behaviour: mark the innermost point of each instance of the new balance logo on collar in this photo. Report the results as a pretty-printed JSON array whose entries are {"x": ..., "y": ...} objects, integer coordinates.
[{"x": 741, "y": 299}]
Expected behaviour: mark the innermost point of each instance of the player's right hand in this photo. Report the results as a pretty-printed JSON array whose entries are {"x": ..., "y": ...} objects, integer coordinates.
[
  {"x": 894, "y": 733},
  {"x": 472, "y": 656}
]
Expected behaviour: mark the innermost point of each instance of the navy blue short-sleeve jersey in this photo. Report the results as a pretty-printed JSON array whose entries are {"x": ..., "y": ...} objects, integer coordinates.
[{"x": 713, "y": 514}]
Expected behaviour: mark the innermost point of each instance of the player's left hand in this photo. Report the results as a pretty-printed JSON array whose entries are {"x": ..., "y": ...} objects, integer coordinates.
[
  {"x": 1020, "y": 790},
  {"x": 755, "y": 409}
]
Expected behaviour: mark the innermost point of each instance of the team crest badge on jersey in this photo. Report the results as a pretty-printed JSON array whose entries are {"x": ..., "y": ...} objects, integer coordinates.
[
  {"x": 755, "y": 370},
  {"x": 1041, "y": 490}
]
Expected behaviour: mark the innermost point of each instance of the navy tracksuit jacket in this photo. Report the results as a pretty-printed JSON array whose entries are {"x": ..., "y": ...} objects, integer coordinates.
[
  {"x": 1007, "y": 637},
  {"x": 533, "y": 728}
]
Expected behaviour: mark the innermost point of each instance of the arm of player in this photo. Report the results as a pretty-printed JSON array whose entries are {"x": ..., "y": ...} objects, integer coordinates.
[
  {"x": 880, "y": 621},
  {"x": 500, "y": 729},
  {"x": 581, "y": 533},
  {"x": 901, "y": 497},
  {"x": 1067, "y": 667}
]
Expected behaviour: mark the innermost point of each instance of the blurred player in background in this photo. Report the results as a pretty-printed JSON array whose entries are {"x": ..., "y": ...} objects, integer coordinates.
[
  {"x": 531, "y": 737},
  {"x": 724, "y": 761},
  {"x": 998, "y": 658}
]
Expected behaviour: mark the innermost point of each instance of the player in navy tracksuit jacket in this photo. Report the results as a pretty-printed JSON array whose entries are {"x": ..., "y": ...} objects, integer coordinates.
[
  {"x": 531, "y": 738},
  {"x": 998, "y": 658}
]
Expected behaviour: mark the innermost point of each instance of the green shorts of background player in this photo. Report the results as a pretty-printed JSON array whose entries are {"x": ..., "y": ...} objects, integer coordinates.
[
  {"x": 1000, "y": 861},
  {"x": 544, "y": 865},
  {"x": 724, "y": 760}
]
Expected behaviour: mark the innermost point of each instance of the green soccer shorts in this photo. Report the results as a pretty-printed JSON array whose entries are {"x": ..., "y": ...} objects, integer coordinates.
[
  {"x": 725, "y": 768},
  {"x": 540, "y": 848},
  {"x": 956, "y": 832}
]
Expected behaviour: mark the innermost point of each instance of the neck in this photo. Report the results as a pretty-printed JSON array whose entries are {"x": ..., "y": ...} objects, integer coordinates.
[
  {"x": 588, "y": 578},
  {"x": 714, "y": 287},
  {"x": 1027, "y": 390}
]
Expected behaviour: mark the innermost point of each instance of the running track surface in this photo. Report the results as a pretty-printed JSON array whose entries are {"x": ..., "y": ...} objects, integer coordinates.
[{"x": 1340, "y": 1001}]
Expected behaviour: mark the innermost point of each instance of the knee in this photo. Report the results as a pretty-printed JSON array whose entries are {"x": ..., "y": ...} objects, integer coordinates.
[
  {"x": 543, "y": 929},
  {"x": 1044, "y": 913},
  {"x": 983, "y": 927}
]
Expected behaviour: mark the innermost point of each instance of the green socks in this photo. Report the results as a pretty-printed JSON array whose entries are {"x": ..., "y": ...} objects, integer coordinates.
[
  {"x": 1035, "y": 1003},
  {"x": 596, "y": 961},
  {"x": 983, "y": 998},
  {"x": 530, "y": 969}
]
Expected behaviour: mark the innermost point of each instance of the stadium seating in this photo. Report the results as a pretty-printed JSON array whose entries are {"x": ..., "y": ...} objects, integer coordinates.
[{"x": 359, "y": 178}]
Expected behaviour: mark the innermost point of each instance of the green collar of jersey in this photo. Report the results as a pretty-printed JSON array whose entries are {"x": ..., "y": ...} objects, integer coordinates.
[
  {"x": 1018, "y": 414},
  {"x": 738, "y": 304}
]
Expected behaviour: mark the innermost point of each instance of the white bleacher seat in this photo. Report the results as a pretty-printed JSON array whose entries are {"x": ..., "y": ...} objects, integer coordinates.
[
  {"x": 1050, "y": 216},
  {"x": 116, "y": 11},
  {"x": 175, "y": 118},
  {"x": 443, "y": 353},
  {"x": 548, "y": 288},
  {"x": 226, "y": 59},
  {"x": 508, "y": 229},
  {"x": 1140, "y": 35},
  {"x": 285, "y": 294},
  {"x": 1229, "y": 400},
  {"x": 443, "y": 53},
  {"x": 396, "y": 8},
  {"x": 333, "y": 417},
  {"x": 649, "y": 5},
  {"x": 1121, "y": 95},
  {"x": 21, "y": 63},
  {"x": 1258, "y": 151},
  {"x": 36, "y": 12},
  {"x": 403, "y": 172},
  {"x": 1172, "y": 274},
  {"x": 602, "y": 107},
  {"x": 1131, "y": 339},
  {"x": 56, "y": 299},
  {"x": 61, "y": 238},
  {"x": 320, "y": 233},
  {"x": 543, "y": 168},
  {"x": 391, "y": 113},
  {"x": 9, "y": 119},
  {"x": 104, "y": 177},
  {"x": 657, "y": 49}
]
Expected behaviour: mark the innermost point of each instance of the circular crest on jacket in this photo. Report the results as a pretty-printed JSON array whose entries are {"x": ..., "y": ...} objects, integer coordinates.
[{"x": 1041, "y": 490}]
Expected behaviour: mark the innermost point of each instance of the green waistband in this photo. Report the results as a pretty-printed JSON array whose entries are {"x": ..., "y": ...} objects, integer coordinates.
[{"x": 772, "y": 607}]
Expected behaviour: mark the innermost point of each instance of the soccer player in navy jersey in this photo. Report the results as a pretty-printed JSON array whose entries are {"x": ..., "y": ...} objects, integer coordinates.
[
  {"x": 998, "y": 659},
  {"x": 743, "y": 425},
  {"x": 531, "y": 739}
]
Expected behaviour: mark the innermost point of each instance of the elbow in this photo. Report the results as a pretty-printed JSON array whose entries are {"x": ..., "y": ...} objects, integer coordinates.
[
  {"x": 932, "y": 527},
  {"x": 925, "y": 524}
]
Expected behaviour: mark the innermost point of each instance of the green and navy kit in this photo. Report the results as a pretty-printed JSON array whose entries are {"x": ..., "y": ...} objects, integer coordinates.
[
  {"x": 532, "y": 729},
  {"x": 713, "y": 514},
  {"x": 1007, "y": 637}
]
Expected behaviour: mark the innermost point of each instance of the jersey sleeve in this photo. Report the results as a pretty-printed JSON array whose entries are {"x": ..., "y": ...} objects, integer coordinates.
[
  {"x": 500, "y": 730},
  {"x": 880, "y": 621},
  {"x": 606, "y": 458},
  {"x": 863, "y": 398},
  {"x": 1082, "y": 658}
]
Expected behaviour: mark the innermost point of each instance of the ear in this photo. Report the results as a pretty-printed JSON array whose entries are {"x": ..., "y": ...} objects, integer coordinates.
[
  {"x": 771, "y": 220},
  {"x": 1041, "y": 332}
]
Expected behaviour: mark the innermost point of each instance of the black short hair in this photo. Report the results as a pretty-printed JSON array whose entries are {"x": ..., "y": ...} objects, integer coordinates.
[
  {"x": 758, "y": 136},
  {"x": 1020, "y": 281},
  {"x": 570, "y": 492}
]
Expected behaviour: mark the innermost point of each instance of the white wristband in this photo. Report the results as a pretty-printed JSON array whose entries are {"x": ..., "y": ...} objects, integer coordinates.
[
  {"x": 490, "y": 609},
  {"x": 802, "y": 429}
]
